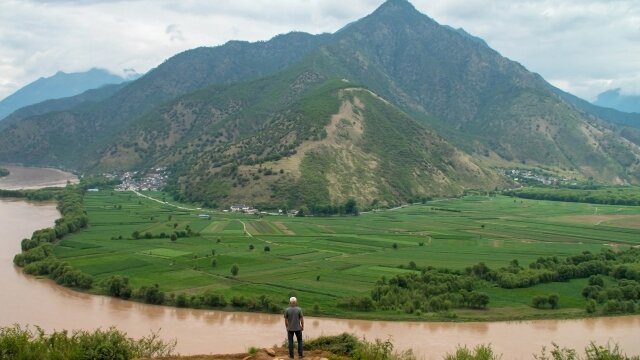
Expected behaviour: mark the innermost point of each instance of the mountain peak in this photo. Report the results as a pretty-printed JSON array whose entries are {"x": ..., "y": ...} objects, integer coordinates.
[{"x": 396, "y": 6}]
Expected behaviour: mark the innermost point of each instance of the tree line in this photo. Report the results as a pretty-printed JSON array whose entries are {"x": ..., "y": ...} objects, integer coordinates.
[
  {"x": 37, "y": 257},
  {"x": 119, "y": 286},
  {"x": 628, "y": 195},
  {"x": 429, "y": 289}
]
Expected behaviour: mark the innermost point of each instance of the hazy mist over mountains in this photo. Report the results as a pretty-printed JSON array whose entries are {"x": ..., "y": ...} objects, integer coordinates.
[
  {"x": 616, "y": 100},
  {"x": 58, "y": 86}
]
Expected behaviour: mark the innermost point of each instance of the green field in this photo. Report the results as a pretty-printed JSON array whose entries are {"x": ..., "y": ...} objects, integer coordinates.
[{"x": 324, "y": 259}]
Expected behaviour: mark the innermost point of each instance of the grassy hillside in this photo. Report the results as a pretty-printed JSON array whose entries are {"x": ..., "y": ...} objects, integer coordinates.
[
  {"x": 75, "y": 137},
  {"x": 292, "y": 139},
  {"x": 324, "y": 260},
  {"x": 487, "y": 105}
]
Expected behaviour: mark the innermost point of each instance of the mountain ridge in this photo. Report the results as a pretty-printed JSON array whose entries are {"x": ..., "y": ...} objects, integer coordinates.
[
  {"x": 614, "y": 99},
  {"x": 59, "y": 85},
  {"x": 217, "y": 116}
]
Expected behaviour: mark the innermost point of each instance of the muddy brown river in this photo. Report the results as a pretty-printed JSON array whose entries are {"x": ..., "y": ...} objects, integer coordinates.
[{"x": 27, "y": 300}]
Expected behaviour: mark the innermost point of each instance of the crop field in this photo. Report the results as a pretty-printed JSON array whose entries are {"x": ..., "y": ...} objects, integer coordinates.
[{"x": 323, "y": 259}]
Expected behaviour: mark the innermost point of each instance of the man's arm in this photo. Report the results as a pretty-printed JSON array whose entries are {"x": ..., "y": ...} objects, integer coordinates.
[
  {"x": 286, "y": 321},
  {"x": 301, "y": 320}
]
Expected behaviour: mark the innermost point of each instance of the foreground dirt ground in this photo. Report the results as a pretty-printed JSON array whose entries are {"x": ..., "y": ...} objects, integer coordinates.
[{"x": 262, "y": 354}]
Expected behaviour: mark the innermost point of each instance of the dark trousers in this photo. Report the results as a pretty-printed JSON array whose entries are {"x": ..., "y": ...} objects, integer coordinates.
[{"x": 299, "y": 338}]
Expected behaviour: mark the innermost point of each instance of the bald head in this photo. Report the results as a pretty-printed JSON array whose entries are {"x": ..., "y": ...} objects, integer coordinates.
[{"x": 293, "y": 300}]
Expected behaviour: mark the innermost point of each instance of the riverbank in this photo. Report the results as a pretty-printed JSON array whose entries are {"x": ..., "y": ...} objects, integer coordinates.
[
  {"x": 35, "y": 178},
  {"x": 335, "y": 263}
]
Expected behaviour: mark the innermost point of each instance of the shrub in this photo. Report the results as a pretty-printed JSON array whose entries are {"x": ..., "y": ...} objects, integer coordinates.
[
  {"x": 23, "y": 343},
  {"x": 596, "y": 280},
  {"x": 356, "y": 303},
  {"x": 539, "y": 301},
  {"x": 380, "y": 350},
  {"x": 344, "y": 344},
  {"x": 117, "y": 286},
  {"x": 480, "y": 352},
  {"x": 181, "y": 300},
  {"x": 151, "y": 294},
  {"x": 234, "y": 269}
]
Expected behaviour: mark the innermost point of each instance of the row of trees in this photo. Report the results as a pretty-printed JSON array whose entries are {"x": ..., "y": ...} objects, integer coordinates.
[
  {"x": 554, "y": 269},
  {"x": 431, "y": 290},
  {"x": 34, "y": 195},
  {"x": 623, "y": 296},
  {"x": 37, "y": 256},
  {"x": 435, "y": 290},
  {"x": 119, "y": 286},
  {"x": 350, "y": 207},
  {"x": 613, "y": 195}
]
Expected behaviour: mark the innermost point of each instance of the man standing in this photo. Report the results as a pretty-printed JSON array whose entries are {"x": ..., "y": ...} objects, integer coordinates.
[{"x": 294, "y": 322}]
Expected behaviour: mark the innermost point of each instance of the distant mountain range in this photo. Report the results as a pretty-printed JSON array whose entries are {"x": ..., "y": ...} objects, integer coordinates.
[
  {"x": 391, "y": 108},
  {"x": 616, "y": 100},
  {"x": 60, "y": 85}
]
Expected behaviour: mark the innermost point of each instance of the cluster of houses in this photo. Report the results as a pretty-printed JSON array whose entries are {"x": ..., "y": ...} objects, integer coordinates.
[
  {"x": 519, "y": 175},
  {"x": 154, "y": 181},
  {"x": 247, "y": 209}
]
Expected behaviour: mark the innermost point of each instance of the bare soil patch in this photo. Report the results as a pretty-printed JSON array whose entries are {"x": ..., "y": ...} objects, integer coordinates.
[
  {"x": 630, "y": 221},
  {"x": 282, "y": 227}
]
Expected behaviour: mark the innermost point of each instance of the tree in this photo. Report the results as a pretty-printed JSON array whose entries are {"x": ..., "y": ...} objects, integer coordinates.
[
  {"x": 135, "y": 234},
  {"x": 395, "y": 245},
  {"x": 151, "y": 294},
  {"x": 181, "y": 300},
  {"x": 478, "y": 300},
  {"x": 591, "y": 306},
  {"x": 174, "y": 237},
  {"x": 350, "y": 207},
  {"x": 553, "y": 300},
  {"x": 117, "y": 286},
  {"x": 267, "y": 248},
  {"x": 235, "y": 269},
  {"x": 596, "y": 280},
  {"x": 213, "y": 252},
  {"x": 251, "y": 247},
  {"x": 214, "y": 262},
  {"x": 300, "y": 213}
]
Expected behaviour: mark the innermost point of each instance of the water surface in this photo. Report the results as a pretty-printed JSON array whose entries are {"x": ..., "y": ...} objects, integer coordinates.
[{"x": 34, "y": 178}]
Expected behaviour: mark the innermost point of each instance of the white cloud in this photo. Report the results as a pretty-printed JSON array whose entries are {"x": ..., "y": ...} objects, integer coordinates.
[{"x": 583, "y": 46}]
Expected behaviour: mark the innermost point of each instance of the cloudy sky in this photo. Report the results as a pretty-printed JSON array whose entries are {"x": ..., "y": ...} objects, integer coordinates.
[{"x": 582, "y": 46}]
